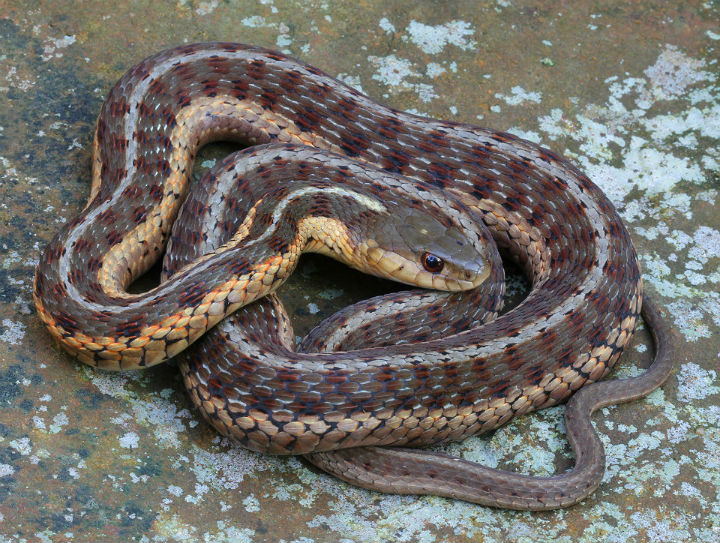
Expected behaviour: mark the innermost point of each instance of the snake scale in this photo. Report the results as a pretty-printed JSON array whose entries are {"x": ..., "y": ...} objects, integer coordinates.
[{"x": 393, "y": 371}]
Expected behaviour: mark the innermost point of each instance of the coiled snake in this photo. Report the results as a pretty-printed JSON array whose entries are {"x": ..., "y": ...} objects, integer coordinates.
[{"x": 388, "y": 192}]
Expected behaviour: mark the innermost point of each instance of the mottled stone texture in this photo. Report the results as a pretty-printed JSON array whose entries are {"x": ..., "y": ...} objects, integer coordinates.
[{"x": 628, "y": 90}]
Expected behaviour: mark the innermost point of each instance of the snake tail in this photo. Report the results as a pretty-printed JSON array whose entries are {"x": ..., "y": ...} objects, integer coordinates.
[{"x": 413, "y": 471}]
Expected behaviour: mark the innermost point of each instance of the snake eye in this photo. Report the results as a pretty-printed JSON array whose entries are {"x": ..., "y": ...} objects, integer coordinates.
[{"x": 432, "y": 263}]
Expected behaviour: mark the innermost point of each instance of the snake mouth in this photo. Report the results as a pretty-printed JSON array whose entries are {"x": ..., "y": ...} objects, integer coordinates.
[{"x": 462, "y": 279}]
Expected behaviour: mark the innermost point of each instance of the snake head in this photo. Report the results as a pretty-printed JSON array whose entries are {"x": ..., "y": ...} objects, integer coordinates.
[{"x": 437, "y": 247}]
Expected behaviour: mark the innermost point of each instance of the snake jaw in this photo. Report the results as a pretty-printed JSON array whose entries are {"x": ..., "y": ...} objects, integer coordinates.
[{"x": 459, "y": 279}]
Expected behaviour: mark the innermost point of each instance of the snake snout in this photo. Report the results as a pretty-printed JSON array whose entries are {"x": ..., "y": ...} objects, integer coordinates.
[{"x": 470, "y": 275}]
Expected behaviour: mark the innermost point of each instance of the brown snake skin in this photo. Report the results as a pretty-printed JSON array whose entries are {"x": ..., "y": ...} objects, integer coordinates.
[{"x": 456, "y": 380}]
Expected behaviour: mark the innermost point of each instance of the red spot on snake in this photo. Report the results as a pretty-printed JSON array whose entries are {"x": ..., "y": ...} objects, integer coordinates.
[
  {"x": 94, "y": 263},
  {"x": 183, "y": 71},
  {"x": 240, "y": 266},
  {"x": 139, "y": 214},
  {"x": 210, "y": 88},
  {"x": 353, "y": 144},
  {"x": 256, "y": 69},
  {"x": 560, "y": 183},
  {"x": 129, "y": 329},
  {"x": 219, "y": 65},
  {"x": 279, "y": 244},
  {"x": 141, "y": 72},
  {"x": 347, "y": 109},
  {"x": 274, "y": 56},
  {"x": 336, "y": 378},
  {"x": 113, "y": 237},
  {"x": 503, "y": 137},
  {"x": 164, "y": 142},
  {"x": 107, "y": 217},
  {"x": 142, "y": 137},
  {"x": 239, "y": 89},
  {"x": 320, "y": 90},
  {"x": 67, "y": 322},
  {"x": 59, "y": 290},
  {"x": 54, "y": 252},
  {"x": 308, "y": 119},
  {"x": 193, "y": 294},
  {"x": 118, "y": 143},
  {"x": 132, "y": 192},
  {"x": 428, "y": 146},
  {"x": 231, "y": 47},
  {"x": 102, "y": 316},
  {"x": 157, "y": 86},
  {"x": 396, "y": 161},
  {"x": 481, "y": 152},
  {"x": 156, "y": 192},
  {"x": 142, "y": 165},
  {"x": 163, "y": 166},
  {"x": 440, "y": 172},
  {"x": 290, "y": 79},
  {"x": 287, "y": 375},
  {"x": 183, "y": 98},
  {"x": 168, "y": 117},
  {"x": 82, "y": 245},
  {"x": 321, "y": 206},
  {"x": 548, "y": 156},
  {"x": 118, "y": 108},
  {"x": 268, "y": 99}
]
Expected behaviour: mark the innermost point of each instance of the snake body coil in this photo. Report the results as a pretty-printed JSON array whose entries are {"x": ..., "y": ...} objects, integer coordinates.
[{"x": 585, "y": 300}]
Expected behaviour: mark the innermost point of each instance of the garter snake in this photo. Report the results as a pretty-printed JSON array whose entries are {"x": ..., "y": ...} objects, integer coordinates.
[{"x": 452, "y": 381}]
